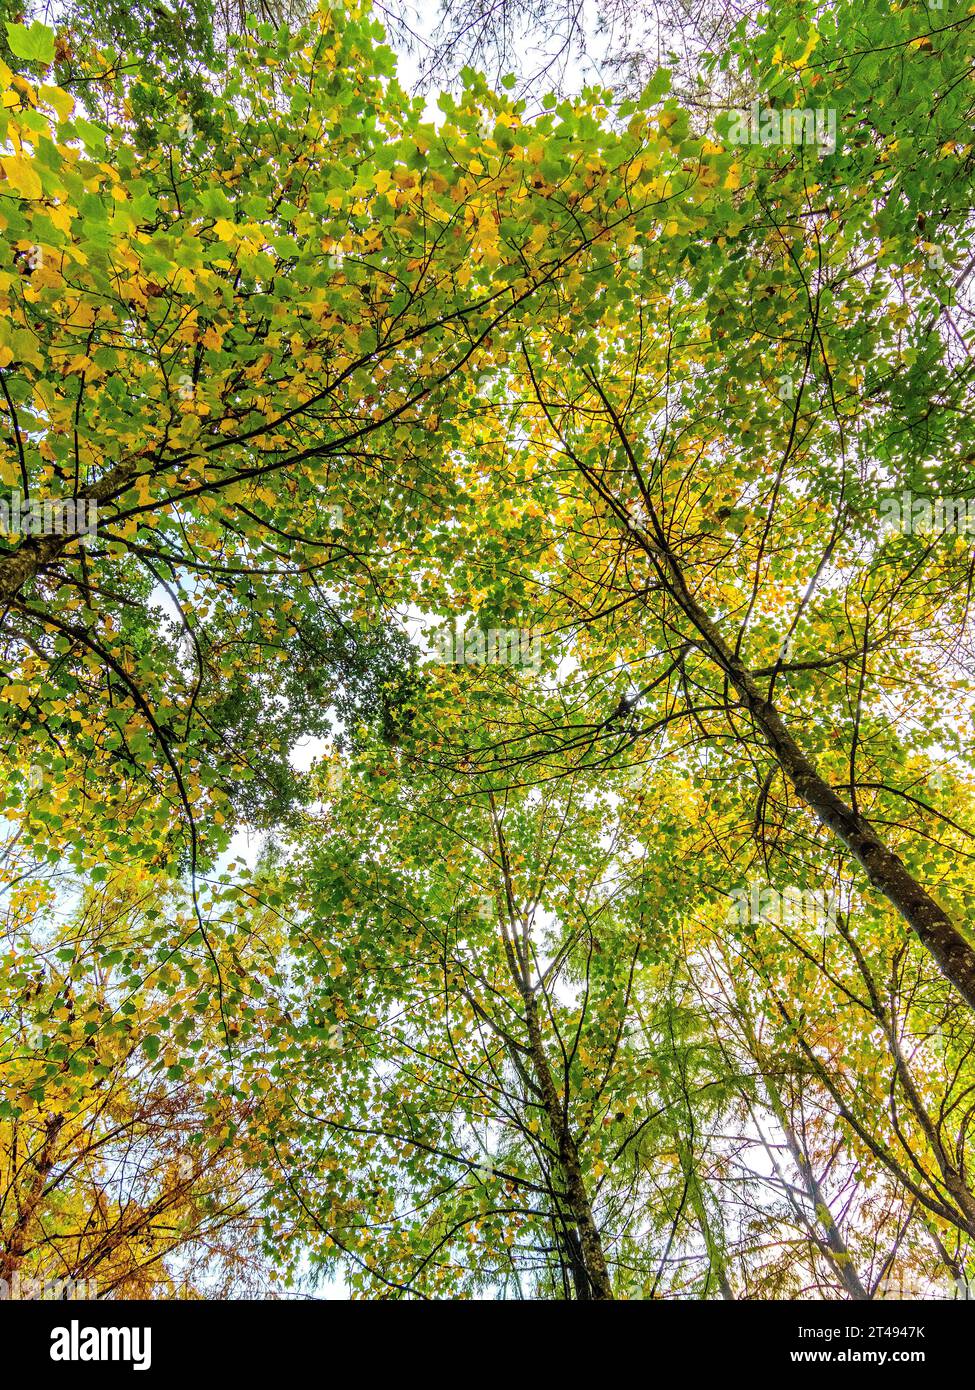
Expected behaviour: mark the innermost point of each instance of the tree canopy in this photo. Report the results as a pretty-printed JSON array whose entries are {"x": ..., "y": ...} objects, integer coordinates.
[{"x": 589, "y": 480}]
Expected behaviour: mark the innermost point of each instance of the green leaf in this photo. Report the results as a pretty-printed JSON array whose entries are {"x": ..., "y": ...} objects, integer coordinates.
[{"x": 35, "y": 45}]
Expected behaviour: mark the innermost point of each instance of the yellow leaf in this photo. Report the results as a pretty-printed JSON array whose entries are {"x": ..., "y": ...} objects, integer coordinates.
[
  {"x": 803, "y": 59},
  {"x": 17, "y": 694},
  {"x": 61, "y": 217},
  {"x": 63, "y": 103},
  {"x": 21, "y": 176},
  {"x": 46, "y": 277}
]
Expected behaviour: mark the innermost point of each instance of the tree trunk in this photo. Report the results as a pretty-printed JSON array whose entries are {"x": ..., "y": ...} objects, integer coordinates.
[
  {"x": 16, "y": 1244},
  {"x": 589, "y": 1249},
  {"x": 933, "y": 927}
]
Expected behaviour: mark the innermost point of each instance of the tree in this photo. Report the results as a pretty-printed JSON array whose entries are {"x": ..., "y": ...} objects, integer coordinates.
[
  {"x": 664, "y": 400},
  {"x": 638, "y": 398},
  {"x": 120, "y": 1170}
]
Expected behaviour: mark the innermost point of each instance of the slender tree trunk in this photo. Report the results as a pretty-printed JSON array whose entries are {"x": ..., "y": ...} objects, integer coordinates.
[
  {"x": 587, "y": 1258},
  {"x": 886, "y": 871},
  {"x": 839, "y": 1253},
  {"x": 590, "y": 1246},
  {"x": 842, "y": 1260},
  {"x": 715, "y": 1251},
  {"x": 933, "y": 927},
  {"x": 695, "y": 1188},
  {"x": 16, "y": 1244}
]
